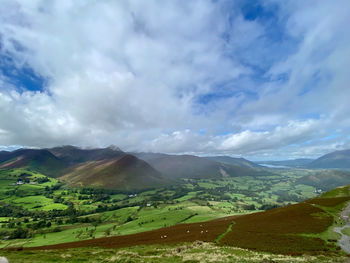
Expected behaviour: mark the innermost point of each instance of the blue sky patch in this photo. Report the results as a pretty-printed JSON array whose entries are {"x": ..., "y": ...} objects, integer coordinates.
[{"x": 22, "y": 77}]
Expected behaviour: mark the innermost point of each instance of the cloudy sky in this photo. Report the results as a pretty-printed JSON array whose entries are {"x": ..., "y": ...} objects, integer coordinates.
[{"x": 262, "y": 79}]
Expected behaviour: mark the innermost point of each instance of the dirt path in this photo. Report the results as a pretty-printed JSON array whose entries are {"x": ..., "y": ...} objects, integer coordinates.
[{"x": 344, "y": 241}]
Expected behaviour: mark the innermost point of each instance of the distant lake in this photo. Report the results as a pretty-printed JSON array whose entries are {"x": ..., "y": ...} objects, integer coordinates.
[{"x": 274, "y": 166}]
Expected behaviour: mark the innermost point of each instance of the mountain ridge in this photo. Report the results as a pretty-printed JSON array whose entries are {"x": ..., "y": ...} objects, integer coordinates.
[{"x": 335, "y": 160}]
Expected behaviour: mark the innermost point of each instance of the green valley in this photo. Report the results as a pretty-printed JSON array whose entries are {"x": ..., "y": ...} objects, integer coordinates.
[
  {"x": 48, "y": 211},
  {"x": 101, "y": 198}
]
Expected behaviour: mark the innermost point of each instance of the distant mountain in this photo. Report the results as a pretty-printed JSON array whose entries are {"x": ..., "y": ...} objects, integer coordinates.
[
  {"x": 106, "y": 167},
  {"x": 112, "y": 168},
  {"x": 234, "y": 161},
  {"x": 125, "y": 172},
  {"x": 36, "y": 159},
  {"x": 4, "y": 155},
  {"x": 325, "y": 179},
  {"x": 290, "y": 163},
  {"x": 337, "y": 159},
  {"x": 190, "y": 166},
  {"x": 74, "y": 155}
]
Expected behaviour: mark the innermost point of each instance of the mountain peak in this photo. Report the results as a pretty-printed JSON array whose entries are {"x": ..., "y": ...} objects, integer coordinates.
[{"x": 114, "y": 148}]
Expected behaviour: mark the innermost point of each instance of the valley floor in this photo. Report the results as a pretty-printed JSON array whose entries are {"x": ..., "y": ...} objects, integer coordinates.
[
  {"x": 49, "y": 212},
  {"x": 171, "y": 224}
]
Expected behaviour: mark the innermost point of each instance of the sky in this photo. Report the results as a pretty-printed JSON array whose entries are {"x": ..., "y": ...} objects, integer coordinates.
[{"x": 259, "y": 79}]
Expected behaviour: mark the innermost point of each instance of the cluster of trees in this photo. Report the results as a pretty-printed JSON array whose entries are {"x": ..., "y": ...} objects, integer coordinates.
[
  {"x": 20, "y": 233},
  {"x": 286, "y": 197},
  {"x": 269, "y": 206},
  {"x": 42, "y": 180}
]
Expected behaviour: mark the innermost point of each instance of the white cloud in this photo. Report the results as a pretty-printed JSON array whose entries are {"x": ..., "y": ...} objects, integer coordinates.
[{"x": 132, "y": 73}]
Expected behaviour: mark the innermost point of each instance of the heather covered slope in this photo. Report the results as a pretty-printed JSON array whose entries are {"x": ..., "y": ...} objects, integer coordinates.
[
  {"x": 125, "y": 172},
  {"x": 41, "y": 161},
  {"x": 337, "y": 159},
  {"x": 306, "y": 227},
  {"x": 303, "y": 228},
  {"x": 196, "y": 252}
]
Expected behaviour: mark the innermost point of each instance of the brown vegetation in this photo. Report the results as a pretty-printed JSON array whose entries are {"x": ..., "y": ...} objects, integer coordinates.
[
  {"x": 279, "y": 230},
  {"x": 206, "y": 231},
  {"x": 124, "y": 172},
  {"x": 328, "y": 201}
]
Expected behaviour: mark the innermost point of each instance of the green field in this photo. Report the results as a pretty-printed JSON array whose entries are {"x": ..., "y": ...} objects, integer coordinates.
[{"x": 49, "y": 212}]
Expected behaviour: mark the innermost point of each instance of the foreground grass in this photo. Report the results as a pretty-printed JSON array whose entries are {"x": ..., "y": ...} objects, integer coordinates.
[
  {"x": 301, "y": 228},
  {"x": 188, "y": 252}
]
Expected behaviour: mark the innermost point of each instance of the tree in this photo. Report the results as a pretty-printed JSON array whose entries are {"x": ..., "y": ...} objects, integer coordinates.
[{"x": 108, "y": 231}]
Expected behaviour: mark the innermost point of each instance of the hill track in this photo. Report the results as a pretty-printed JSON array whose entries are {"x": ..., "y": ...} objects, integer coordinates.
[{"x": 344, "y": 241}]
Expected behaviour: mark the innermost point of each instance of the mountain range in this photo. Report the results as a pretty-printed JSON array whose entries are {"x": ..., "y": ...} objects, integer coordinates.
[
  {"x": 337, "y": 160},
  {"x": 333, "y": 160},
  {"x": 112, "y": 168},
  {"x": 301, "y": 162}
]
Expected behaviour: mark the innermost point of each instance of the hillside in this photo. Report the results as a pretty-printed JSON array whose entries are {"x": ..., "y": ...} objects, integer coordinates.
[
  {"x": 325, "y": 180},
  {"x": 108, "y": 168},
  {"x": 74, "y": 155},
  {"x": 290, "y": 163},
  {"x": 4, "y": 155},
  {"x": 337, "y": 159},
  {"x": 303, "y": 228},
  {"x": 125, "y": 172},
  {"x": 39, "y": 160},
  {"x": 234, "y": 161},
  {"x": 190, "y": 166}
]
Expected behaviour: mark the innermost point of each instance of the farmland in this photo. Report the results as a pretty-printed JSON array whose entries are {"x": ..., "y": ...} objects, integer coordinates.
[
  {"x": 44, "y": 211},
  {"x": 294, "y": 233}
]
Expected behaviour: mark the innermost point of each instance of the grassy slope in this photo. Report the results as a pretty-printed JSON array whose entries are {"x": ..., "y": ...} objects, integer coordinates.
[
  {"x": 192, "y": 208},
  {"x": 197, "y": 252},
  {"x": 294, "y": 229},
  {"x": 300, "y": 228}
]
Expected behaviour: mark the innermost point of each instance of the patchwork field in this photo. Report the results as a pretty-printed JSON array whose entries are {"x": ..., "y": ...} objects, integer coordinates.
[
  {"x": 225, "y": 212},
  {"x": 295, "y": 233},
  {"x": 45, "y": 211}
]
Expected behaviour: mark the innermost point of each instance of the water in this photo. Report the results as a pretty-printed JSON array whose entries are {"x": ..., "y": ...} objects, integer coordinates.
[{"x": 274, "y": 166}]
